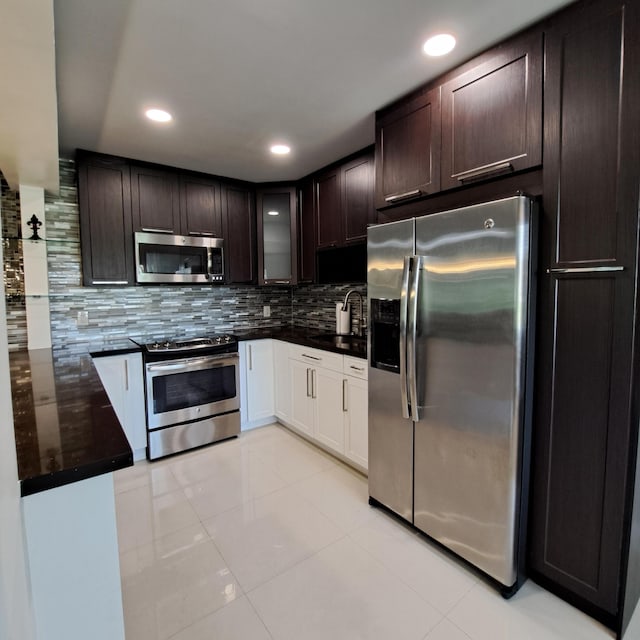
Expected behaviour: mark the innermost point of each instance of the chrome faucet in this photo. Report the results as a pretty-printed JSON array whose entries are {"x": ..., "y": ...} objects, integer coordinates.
[{"x": 360, "y": 332}]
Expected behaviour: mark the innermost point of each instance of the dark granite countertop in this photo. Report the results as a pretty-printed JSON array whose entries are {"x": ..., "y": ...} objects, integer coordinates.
[
  {"x": 65, "y": 427},
  {"x": 346, "y": 345},
  {"x": 115, "y": 348}
]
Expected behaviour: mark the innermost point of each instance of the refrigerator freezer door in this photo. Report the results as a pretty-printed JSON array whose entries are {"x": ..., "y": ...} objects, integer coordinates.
[
  {"x": 470, "y": 349},
  {"x": 390, "y": 435}
]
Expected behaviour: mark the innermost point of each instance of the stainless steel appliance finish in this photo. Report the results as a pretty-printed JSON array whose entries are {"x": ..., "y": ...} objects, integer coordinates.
[
  {"x": 448, "y": 400},
  {"x": 192, "y": 393},
  {"x": 173, "y": 259}
]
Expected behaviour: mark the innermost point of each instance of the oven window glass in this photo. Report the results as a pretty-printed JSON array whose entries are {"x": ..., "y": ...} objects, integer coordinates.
[
  {"x": 193, "y": 388},
  {"x": 169, "y": 259}
]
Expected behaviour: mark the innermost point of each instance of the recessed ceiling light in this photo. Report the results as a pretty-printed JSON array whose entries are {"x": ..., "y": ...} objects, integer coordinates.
[
  {"x": 273, "y": 213},
  {"x": 439, "y": 45},
  {"x": 158, "y": 115},
  {"x": 280, "y": 149}
]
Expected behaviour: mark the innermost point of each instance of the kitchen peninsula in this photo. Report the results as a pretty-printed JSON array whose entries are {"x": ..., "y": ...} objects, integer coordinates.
[{"x": 68, "y": 443}]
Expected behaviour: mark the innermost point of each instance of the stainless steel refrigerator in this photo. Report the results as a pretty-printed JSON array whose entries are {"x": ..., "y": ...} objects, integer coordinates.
[{"x": 451, "y": 334}]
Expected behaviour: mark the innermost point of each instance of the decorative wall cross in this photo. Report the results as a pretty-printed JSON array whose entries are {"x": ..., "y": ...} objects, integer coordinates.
[{"x": 35, "y": 224}]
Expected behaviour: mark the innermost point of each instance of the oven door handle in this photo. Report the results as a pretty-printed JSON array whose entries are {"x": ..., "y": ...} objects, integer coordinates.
[{"x": 188, "y": 364}]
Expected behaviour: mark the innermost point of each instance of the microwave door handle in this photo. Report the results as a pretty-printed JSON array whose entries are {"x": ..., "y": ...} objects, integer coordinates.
[
  {"x": 412, "y": 334},
  {"x": 404, "y": 297},
  {"x": 209, "y": 263}
]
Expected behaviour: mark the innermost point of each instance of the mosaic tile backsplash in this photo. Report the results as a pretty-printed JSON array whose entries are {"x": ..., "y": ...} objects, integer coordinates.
[{"x": 147, "y": 312}]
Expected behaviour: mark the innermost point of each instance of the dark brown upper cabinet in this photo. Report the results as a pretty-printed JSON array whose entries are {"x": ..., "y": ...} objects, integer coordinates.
[
  {"x": 155, "y": 200},
  {"x": 306, "y": 233},
  {"x": 328, "y": 204},
  {"x": 104, "y": 198},
  {"x": 277, "y": 235},
  {"x": 200, "y": 206},
  {"x": 344, "y": 202},
  {"x": 240, "y": 234},
  {"x": 357, "y": 198},
  {"x": 492, "y": 115},
  {"x": 584, "y": 533},
  {"x": 408, "y": 149}
]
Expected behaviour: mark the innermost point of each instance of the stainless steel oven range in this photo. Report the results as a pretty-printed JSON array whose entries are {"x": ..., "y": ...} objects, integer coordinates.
[{"x": 192, "y": 393}]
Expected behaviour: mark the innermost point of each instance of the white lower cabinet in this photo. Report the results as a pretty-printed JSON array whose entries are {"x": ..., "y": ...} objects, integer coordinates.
[
  {"x": 329, "y": 401},
  {"x": 257, "y": 388},
  {"x": 122, "y": 379},
  {"x": 356, "y": 420},
  {"x": 282, "y": 380},
  {"x": 327, "y": 388},
  {"x": 302, "y": 401}
]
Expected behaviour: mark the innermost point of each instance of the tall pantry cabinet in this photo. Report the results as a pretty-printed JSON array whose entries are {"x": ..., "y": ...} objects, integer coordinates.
[{"x": 586, "y": 415}]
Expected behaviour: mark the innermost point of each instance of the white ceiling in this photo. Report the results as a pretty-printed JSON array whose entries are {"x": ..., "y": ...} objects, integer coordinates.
[{"x": 241, "y": 74}]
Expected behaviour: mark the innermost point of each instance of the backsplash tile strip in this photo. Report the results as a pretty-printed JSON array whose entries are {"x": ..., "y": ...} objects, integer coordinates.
[{"x": 149, "y": 312}]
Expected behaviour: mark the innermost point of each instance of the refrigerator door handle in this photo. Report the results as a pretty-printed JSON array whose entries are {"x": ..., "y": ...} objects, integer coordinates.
[
  {"x": 404, "y": 305},
  {"x": 411, "y": 341}
]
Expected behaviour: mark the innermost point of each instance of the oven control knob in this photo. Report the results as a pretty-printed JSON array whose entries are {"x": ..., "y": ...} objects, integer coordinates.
[
  {"x": 166, "y": 344},
  {"x": 155, "y": 345},
  {"x": 227, "y": 339}
]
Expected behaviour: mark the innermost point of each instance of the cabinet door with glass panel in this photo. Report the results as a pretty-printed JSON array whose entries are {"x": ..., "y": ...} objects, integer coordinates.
[{"x": 277, "y": 233}]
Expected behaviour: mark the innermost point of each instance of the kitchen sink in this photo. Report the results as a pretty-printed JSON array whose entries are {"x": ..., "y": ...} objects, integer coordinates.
[{"x": 349, "y": 343}]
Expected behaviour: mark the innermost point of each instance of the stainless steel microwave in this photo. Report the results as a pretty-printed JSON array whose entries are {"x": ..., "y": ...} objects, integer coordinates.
[{"x": 165, "y": 258}]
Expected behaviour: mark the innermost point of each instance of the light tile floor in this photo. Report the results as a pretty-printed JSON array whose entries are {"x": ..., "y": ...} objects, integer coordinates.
[{"x": 267, "y": 537}]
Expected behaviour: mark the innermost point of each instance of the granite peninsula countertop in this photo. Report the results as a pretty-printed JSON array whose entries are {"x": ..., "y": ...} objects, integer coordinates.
[{"x": 65, "y": 427}]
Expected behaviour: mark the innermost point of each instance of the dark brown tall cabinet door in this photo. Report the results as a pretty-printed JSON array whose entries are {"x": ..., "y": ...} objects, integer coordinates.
[
  {"x": 200, "y": 206},
  {"x": 492, "y": 115},
  {"x": 357, "y": 199},
  {"x": 155, "y": 200},
  {"x": 104, "y": 199},
  {"x": 408, "y": 149},
  {"x": 584, "y": 434},
  {"x": 328, "y": 204},
  {"x": 307, "y": 243},
  {"x": 240, "y": 234}
]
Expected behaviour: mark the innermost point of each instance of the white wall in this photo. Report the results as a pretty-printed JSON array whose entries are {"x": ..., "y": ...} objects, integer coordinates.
[{"x": 16, "y": 617}]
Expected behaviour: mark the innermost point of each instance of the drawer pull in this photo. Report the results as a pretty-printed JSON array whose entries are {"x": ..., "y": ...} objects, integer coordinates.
[
  {"x": 305, "y": 355},
  {"x": 585, "y": 270},
  {"x": 494, "y": 167},
  {"x": 403, "y": 196},
  {"x": 356, "y": 368}
]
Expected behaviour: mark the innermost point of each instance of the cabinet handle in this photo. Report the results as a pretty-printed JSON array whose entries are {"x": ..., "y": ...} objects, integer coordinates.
[
  {"x": 313, "y": 383},
  {"x": 308, "y": 392},
  {"x": 356, "y": 368},
  {"x": 494, "y": 167},
  {"x": 152, "y": 230},
  {"x": 126, "y": 375},
  {"x": 305, "y": 355},
  {"x": 345, "y": 390},
  {"x": 109, "y": 282},
  {"x": 585, "y": 270},
  {"x": 250, "y": 354},
  {"x": 404, "y": 196}
]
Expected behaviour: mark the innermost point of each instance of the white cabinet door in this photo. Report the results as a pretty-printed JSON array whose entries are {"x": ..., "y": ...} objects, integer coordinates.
[
  {"x": 259, "y": 375},
  {"x": 327, "y": 391},
  {"x": 302, "y": 402},
  {"x": 282, "y": 380},
  {"x": 356, "y": 421},
  {"x": 122, "y": 379}
]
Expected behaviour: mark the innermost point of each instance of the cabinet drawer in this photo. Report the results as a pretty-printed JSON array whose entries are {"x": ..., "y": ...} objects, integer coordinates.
[
  {"x": 356, "y": 367},
  {"x": 317, "y": 357}
]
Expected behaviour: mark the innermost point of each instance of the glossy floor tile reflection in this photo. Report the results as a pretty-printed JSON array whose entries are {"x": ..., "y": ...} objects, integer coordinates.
[{"x": 266, "y": 537}]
